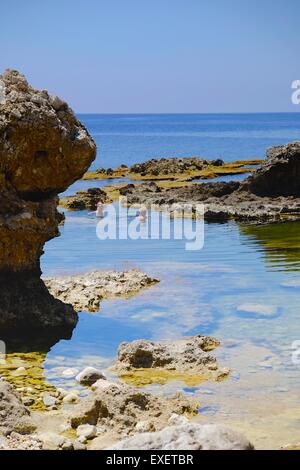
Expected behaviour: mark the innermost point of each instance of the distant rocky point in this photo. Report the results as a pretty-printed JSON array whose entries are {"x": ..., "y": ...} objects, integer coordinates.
[
  {"x": 186, "y": 168},
  {"x": 270, "y": 194}
]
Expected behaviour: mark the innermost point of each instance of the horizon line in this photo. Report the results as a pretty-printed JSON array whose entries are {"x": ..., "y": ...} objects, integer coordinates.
[{"x": 185, "y": 113}]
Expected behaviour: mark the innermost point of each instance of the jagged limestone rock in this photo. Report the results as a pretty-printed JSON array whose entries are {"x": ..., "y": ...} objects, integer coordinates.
[{"x": 43, "y": 149}]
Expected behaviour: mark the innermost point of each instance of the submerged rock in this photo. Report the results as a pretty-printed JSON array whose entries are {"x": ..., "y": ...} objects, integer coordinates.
[
  {"x": 188, "y": 356},
  {"x": 187, "y": 437},
  {"x": 85, "y": 291},
  {"x": 43, "y": 149}
]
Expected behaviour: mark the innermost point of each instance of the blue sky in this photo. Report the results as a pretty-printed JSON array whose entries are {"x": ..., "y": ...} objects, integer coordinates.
[{"x": 148, "y": 56}]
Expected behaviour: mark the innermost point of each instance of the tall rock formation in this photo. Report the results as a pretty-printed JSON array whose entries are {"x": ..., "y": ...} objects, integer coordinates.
[{"x": 43, "y": 149}]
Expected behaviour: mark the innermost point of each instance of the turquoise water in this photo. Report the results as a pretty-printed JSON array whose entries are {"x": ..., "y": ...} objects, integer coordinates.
[{"x": 242, "y": 287}]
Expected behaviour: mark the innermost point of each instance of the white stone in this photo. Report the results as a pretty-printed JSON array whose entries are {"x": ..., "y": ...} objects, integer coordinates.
[
  {"x": 61, "y": 392},
  {"x": 86, "y": 431},
  {"x": 77, "y": 445},
  {"x": 71, "y": 397},
  {"x": 89, "y": 375},
  {"x": 102, "y": 385}
]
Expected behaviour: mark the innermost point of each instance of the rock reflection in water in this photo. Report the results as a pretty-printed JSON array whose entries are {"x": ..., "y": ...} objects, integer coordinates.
[
  {"x": 22, "y": 365},
  {"x": 280, "y": 244}
]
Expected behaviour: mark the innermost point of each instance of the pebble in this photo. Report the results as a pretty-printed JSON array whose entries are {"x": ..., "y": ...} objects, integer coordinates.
[
  {"x": 67, "y": 445},
  {"x": 61, "y": 392},
  {"x": 77, "y": 445},
  {"x": 86, "y": 431},
  {"x": 89, "y": 376},
  {"x": 49, "y": 400},
  {"x": 71, "y": 397},
  {"x": 102, "y": 385}
]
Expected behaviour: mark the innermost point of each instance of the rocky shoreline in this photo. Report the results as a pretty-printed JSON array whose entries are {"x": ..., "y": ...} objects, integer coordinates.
[
  {"x": 270, "y": 194},
  {"x": 85, "y": 291},
  {"x": 174, "y": 168},
  {"x": 113, "y": 411},
  {"x": 43, "y": 150}
]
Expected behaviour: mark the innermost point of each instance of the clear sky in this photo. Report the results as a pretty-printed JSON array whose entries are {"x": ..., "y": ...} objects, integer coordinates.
[{"x": 156, "y": 56}]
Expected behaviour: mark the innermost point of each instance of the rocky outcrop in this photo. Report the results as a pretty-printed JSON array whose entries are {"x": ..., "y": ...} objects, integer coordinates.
[
  {"x": 270, "y": 194},
  {"x": 43, "y": 149},
  {"x": 85, "y": 291},
  {"x": 188, "y": 355},
  {"x": 14, "y": 415},
  {"x": 173, "y": 168},
  {"x": 118, "y": 408},
  {"x": 84, "y": 200},
  {"x": 187, "y": 437},
  {"x": 167, "y": 166},
  {"x": 279, "y": 175}
]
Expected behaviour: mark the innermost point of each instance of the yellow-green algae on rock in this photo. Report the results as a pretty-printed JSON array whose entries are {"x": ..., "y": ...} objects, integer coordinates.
[
  {"x": 143, "y": 377},
  {"x": 208, "y": 171},
  {"x": 26, "y": 373}
]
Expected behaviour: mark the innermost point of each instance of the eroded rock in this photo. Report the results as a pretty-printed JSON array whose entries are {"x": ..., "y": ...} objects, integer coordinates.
[
  {"x": 270, "y": 194},
  {"x": 185, "y": 356},
  {"x": 43, "y": 149},
  {"x": 14, "y": 416},
  {"x": 118, "y": 408},
  {"x": 187, "y": 437},
  {"x": 85, "y": 291},
  {"x": 279, "y": 175}
]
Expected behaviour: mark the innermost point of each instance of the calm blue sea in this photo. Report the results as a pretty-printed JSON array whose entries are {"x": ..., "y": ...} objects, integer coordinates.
[
  {"x": 243, "y": 287},
  {"x": 131, "y": 138}
]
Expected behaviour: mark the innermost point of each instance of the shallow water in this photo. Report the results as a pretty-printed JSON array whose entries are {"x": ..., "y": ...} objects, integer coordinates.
[{"x": 242, "y": 287}]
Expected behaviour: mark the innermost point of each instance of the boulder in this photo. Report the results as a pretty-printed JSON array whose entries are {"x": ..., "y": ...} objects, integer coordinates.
[
  {"x": 189, "y": 355},
  {"x": 118, "y": 408},
  {"x": 279, "y": 175},
  {"x": 187, "y": 437},
  {"x": 43, "y": 149},
  {"x": 89, "y": 376},
  {"x": 86, "y": 431},
  {"x": 14, "y": 416}
]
